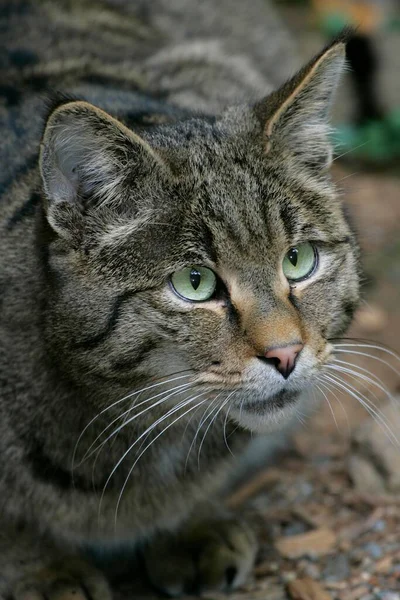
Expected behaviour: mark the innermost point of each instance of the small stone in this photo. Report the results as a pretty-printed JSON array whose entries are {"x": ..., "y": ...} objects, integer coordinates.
[
  {"x": 310, "y": 569},
  {"x": 396, "y": 569},
  {"x": 288, "y": 576},
  {"x": 295, "y": 528},
  {"x": 367, "y": 562},
  {"x": 373, "y": 550},
  {"x": 306, "y": 489},
  {"x": 337, "y": 569},
  {"x": 379, "y": 525},
  {"x": 265, "y": 568},
  {"x": 307, "y": 589}
]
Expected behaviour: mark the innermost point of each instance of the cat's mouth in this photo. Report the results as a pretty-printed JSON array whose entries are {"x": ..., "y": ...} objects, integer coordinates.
[
  {"x": 279, "y": 401},
  {"x": 267, "y": 413},
  {"x": 262, "y": 399}
]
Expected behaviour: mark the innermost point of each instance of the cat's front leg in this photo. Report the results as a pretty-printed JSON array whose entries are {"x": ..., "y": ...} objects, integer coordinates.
[
  {"x": 213, "y": 551},
  {"x": 69, "y": 578},
  {"x": 32, "y": 568}
]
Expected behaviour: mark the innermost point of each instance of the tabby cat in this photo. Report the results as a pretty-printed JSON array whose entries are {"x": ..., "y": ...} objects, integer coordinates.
[{"x": 174, "y": 263}]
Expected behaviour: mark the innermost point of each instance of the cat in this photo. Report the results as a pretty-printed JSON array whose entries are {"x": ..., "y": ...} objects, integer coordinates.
[{"x": 174, "y": 263}]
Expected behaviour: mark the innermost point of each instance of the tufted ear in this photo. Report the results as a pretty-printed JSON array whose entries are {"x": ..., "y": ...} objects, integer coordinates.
[
  {"x": 87, "y": 159},
  {"x": 295, "y": 118}
]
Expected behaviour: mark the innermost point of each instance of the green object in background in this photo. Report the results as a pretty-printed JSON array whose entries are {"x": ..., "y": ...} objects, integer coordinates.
[
  {"x": 333, "y": 23},
  {"x": 393, "y": 24},
  {"x": 376, "y": 140}
]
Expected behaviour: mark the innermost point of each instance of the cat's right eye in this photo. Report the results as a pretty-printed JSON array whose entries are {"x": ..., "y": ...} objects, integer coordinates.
[{"x": 196, "y": 284}]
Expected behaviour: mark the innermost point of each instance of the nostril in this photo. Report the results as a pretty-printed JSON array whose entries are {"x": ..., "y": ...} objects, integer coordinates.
[
  {"x": 274, "y": 362},
  {"x": 283, "y": 358}
]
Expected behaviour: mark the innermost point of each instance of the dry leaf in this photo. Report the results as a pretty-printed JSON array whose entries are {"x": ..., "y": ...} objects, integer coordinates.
[
  {"x": 383, "y": 565},
  {"x": 307, "y": 589},
  {"x": 254, "y": 486},
  {"x": 357, "y": 593},
  {"x": 318, "y": 542}
]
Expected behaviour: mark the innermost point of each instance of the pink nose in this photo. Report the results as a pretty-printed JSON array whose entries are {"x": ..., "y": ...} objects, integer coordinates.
[{"x": 284, "y": 358}]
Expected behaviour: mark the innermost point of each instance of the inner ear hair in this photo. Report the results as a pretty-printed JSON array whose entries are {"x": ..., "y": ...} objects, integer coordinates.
[
  {"x": 86, "y": 156},
  {"x": 295, "y": 118}
]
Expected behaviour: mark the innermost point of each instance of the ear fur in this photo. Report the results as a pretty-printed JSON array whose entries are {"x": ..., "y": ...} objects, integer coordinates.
[
  {"x": 296, "y": 117},
  {"x": 86, "y": 155}
]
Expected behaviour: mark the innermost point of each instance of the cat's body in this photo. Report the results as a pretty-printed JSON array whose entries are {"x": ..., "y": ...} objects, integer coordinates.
[{"x": 90, "y": 321}]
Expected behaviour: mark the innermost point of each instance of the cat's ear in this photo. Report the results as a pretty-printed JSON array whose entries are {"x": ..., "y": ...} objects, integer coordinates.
[
  {"x": 295, "y": 118},
  {"x": 87, "y": 158}
]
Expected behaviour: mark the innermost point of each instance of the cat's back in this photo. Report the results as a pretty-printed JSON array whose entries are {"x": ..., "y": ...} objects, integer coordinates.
[{"x": 133, "y": 59}]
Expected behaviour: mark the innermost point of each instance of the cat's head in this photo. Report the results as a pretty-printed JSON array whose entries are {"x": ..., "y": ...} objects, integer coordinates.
[{"x": 213, "y": 248}]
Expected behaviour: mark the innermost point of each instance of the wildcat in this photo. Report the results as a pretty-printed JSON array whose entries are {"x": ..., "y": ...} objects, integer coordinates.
[{"x": 173, "y": 266}]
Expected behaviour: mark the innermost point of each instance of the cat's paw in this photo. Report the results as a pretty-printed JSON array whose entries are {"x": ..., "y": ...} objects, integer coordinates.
[
  {"x": 208, "y": 555},
  {"x": 70, "y": 579}
]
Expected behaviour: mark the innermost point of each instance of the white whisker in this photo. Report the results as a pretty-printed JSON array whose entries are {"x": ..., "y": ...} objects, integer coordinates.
[
  {"x": 339, "y": 348},
  {"x": 356, "y": 390},
  {"x": 366, "y": 403},
  {"x": 148, "y": 446},
  {"x": 356, "y": 366},
  {"x": 141, "y": 436},
  {"x": 206, "y": 413},
  {"x": 351, "y": 150},
  {"x": 163, "y": 382},
  {"x": 364, "y": 378},
  {"x": 331, "y": 390},
  {"x": 329, "y": 404},
  {"x": 210, "y": 423},
  {"x": 176, "y": 390},
  {"x": 224, "y": 431}
]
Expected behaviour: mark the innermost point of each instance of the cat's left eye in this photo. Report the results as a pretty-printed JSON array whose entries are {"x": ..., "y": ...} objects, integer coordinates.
[
  {"x": 196, "y": 284},
  {"x": 299, "y": 262}
]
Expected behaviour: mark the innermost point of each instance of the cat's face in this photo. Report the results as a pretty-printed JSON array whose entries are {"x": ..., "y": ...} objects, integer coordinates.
[{"x": 211, "y": 249}]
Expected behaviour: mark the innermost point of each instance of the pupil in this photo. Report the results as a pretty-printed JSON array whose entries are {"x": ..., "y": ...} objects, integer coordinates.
[
  {"x": 293, "y": 256},
  {"x": 195, "y": 279}
]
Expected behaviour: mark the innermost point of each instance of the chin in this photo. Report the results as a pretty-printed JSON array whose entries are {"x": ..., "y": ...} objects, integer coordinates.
[{"x": 269, "y": 414}]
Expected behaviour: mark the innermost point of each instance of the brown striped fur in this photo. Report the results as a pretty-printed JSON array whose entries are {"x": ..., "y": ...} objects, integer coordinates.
[{"x": 146, "y": 172}]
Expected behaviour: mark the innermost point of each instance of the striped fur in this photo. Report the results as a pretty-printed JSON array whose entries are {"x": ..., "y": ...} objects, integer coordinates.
[{"x": 164, "y": 150}]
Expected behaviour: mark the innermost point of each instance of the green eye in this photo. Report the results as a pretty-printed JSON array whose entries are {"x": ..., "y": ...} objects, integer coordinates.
[
  {"x": 299, "y": 262},
  {"x": 194, "y": 283}
]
